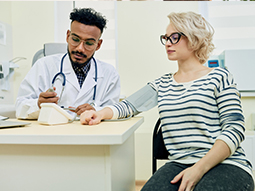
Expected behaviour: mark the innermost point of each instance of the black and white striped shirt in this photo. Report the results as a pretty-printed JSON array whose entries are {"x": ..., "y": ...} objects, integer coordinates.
[{"x": 195, "y": 115}]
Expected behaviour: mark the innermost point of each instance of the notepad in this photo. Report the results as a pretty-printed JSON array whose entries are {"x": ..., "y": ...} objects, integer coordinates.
[{"x": 10, "y": 124}]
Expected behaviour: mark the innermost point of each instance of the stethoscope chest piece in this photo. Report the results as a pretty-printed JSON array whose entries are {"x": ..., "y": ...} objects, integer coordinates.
[{"x": 93, "y": 104}]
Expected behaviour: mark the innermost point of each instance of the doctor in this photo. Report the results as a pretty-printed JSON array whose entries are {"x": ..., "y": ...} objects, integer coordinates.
[{"x": 89, "y": 83}]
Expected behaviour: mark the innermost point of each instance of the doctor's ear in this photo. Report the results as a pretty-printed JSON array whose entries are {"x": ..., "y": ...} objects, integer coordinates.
[
  {"x": 67, "y": 35},
  {"x": 99, "y": 44}
]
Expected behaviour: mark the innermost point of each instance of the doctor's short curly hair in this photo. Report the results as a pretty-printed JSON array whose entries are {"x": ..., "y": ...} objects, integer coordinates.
[
  {"x": 89, "y": 16},
  {"x": 198, "y": 31}
]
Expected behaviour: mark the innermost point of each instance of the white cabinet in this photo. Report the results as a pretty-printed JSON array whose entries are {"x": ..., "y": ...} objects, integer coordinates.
[{"x": 248, "y": 146}]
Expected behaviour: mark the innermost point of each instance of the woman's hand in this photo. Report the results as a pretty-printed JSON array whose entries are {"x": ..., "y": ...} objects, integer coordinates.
[
  {"x": 90, "y": 117},
  {"x": 189, "y": 178}
]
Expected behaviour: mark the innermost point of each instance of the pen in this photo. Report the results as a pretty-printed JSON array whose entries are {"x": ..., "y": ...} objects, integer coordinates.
[{"x": 67, "y": 108}]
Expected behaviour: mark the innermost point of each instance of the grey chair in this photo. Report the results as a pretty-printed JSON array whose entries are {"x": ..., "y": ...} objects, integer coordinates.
[{"x": 49, "y": 49}]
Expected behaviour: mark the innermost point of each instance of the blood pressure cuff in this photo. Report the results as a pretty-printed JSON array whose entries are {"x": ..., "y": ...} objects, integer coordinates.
[{"x": 144, "y": 99}]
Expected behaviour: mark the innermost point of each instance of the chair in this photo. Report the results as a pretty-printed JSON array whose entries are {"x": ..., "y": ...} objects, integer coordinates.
[
  {"x": 49, "y": 49},
  {"x": 159, "y": 151}
]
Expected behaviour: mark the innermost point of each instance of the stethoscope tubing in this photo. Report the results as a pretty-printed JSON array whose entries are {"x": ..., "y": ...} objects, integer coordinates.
[
  {"x": 60, "y": 73},
  {"x": 64, "y": 79},
  {"x": 95, "y": 87}
]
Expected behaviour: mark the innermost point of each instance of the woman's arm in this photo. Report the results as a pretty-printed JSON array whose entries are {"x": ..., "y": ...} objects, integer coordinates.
[
  {"x": 232, "y": 133},
  {"x": 142, "y": 100},
  {"x": 191, "y": 176},
  {"x": 91, "y": 117}
]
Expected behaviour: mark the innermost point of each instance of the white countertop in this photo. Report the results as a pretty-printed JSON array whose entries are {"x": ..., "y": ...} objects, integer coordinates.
[{"x": 106, "y": 133}]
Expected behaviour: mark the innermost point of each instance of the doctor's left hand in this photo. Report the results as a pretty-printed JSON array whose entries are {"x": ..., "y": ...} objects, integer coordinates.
[{"x": 84, "y": 107}]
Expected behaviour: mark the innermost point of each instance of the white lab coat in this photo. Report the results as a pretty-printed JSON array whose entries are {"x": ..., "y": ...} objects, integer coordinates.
[{"x": 39, "y": 79}]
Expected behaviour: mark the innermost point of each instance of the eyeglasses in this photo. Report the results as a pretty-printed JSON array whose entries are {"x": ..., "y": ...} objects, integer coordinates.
[
  {"x": 88, "y": 44},
  {"x": 173, "y": 38}
]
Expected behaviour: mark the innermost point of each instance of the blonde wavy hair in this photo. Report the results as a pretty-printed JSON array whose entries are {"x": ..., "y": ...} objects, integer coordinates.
[{"x": 198, "y": 31}]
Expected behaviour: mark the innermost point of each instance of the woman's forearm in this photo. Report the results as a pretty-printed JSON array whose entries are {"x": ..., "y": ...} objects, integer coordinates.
[
  {"x": 91, "y": 117},
  {"x": 219, "y": 152},
  {"x": 192, "y": 175},
  {"x": 106, "y": 113}
]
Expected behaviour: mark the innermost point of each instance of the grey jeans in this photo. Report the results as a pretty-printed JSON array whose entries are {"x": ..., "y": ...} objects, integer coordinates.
[{"x": 223, "y": 177}]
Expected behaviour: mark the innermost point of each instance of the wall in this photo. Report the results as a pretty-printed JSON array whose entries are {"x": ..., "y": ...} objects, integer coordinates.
[
  {"x": 5, "y": 13},
  {"x": 233, "y": 23},
  {"x": 32, "y": 25}
]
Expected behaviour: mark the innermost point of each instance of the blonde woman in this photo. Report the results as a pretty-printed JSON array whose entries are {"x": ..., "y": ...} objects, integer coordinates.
[{"x": 200, "y": 111}]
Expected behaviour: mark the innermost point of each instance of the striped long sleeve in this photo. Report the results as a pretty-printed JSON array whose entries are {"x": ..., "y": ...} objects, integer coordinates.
[
  {"x": 230, "y": 112},
  {"x": 195, "y": 114}
]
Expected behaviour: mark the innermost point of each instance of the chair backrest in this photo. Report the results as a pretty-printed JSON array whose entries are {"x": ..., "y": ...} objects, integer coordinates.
[
  {"x": 159, "y": 151},
  {"x": 49, "y": 49}
]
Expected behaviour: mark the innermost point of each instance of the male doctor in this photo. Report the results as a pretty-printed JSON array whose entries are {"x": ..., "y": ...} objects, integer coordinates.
[{"x": 83, "y": 86}]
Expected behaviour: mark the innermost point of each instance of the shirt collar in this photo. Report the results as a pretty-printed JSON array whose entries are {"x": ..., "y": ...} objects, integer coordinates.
[{"x": 84, "y": 69}]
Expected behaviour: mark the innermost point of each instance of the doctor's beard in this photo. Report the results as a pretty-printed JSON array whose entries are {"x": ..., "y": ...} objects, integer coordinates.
[{"x": 80, "y": 54}]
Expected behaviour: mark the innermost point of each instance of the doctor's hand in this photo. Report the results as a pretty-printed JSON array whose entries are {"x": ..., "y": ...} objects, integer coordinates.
[
  {"x": 84, "y": 107},
  {"x": 47, "y": 97}
]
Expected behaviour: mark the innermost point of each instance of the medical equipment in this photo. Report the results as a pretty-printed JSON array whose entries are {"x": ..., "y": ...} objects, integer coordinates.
[
  {"x": 64, "y": 80},
  {"x": 240, "y": 64},
  {"x": 148, "y": 99},
  {"x": 237, "y": 62},
  {"x": 52, "y": 114},
  {"x": 214, "y": 61},
  {"x": 59, "y": 74}
]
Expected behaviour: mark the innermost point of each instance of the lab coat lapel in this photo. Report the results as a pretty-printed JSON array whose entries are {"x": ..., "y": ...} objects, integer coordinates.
[
  {"x": 70, "y": 74},
  {"x": 89, "y": 83}
]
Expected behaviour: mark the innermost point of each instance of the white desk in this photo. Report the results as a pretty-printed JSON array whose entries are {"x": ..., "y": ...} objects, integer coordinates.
[{"x": 69, "y": 157}]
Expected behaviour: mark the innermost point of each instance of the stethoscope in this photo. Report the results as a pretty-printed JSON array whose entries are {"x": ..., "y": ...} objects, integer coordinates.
[{"x": 64, "y": 80}]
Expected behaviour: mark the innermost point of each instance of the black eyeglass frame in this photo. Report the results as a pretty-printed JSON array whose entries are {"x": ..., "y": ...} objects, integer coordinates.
[{"x": 169, "y": 37}]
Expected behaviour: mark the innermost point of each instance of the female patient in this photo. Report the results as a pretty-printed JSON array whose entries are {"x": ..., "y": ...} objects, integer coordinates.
[{"x": 200, "y": 112}]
